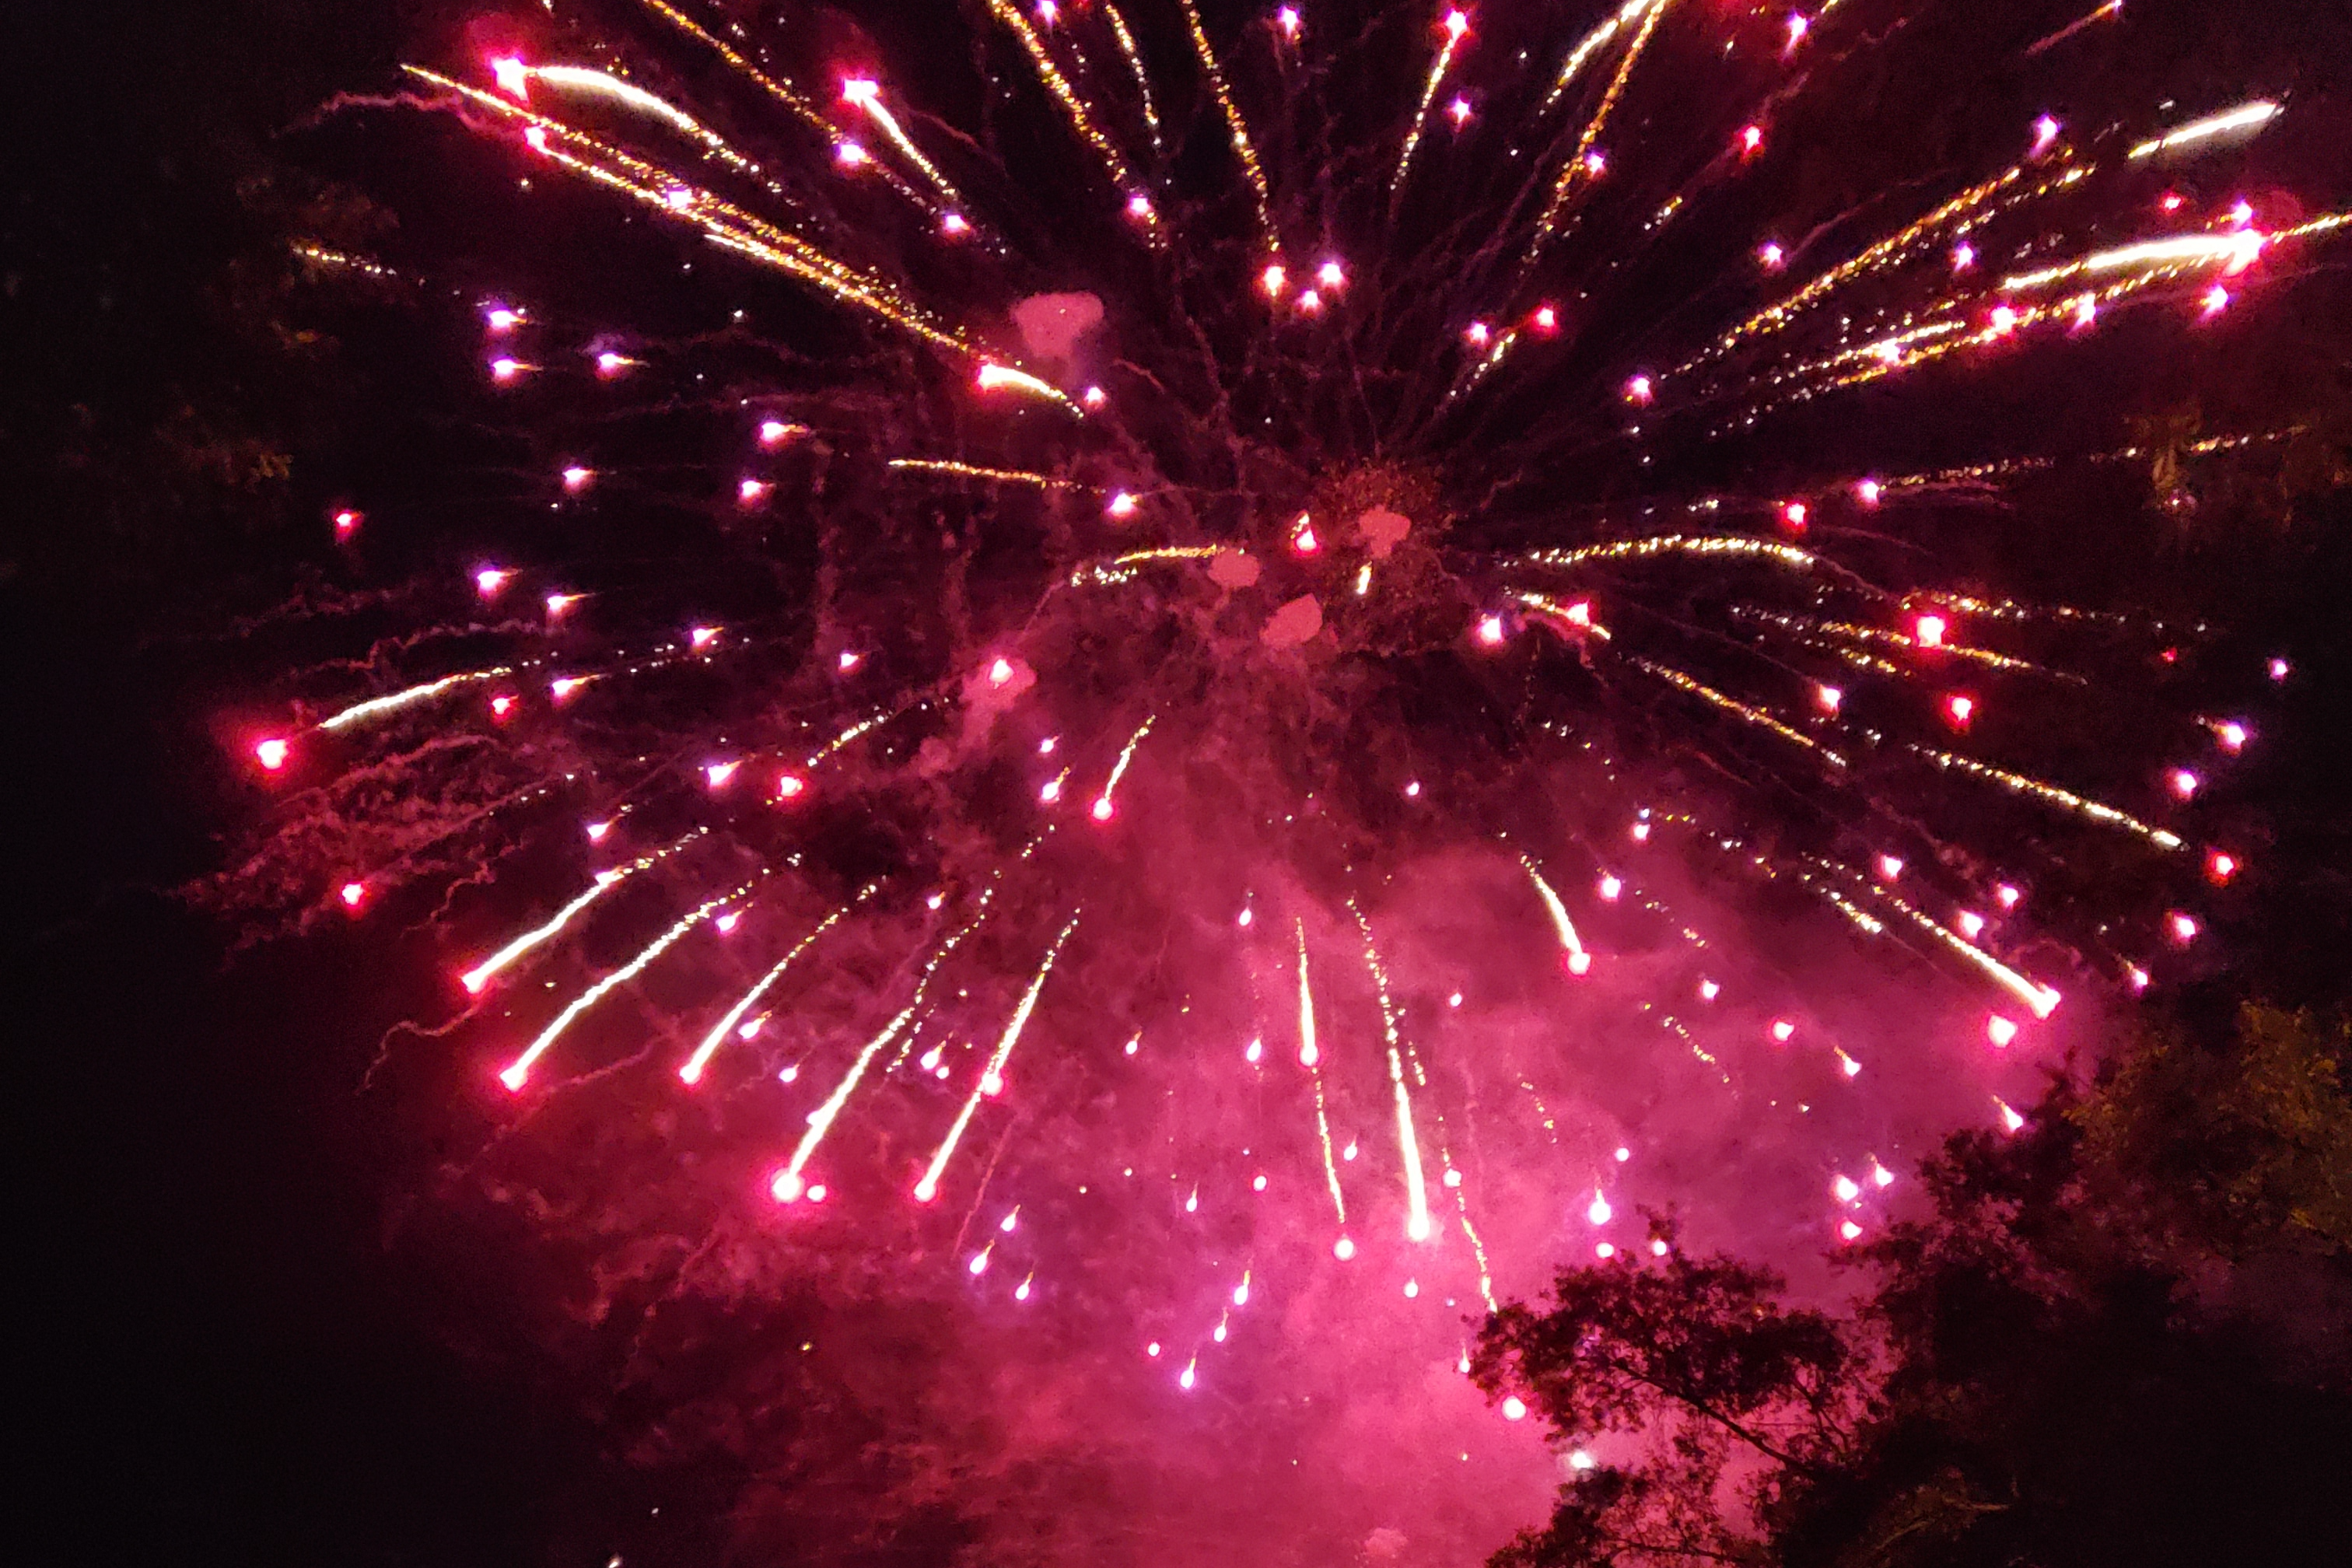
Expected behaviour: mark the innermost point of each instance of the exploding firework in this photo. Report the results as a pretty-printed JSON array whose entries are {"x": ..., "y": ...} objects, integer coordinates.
[{"x": 1242, "y": 623}]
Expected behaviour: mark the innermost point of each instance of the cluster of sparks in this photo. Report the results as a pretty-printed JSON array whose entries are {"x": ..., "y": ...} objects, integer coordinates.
[{"x": 1809, "y": 617}]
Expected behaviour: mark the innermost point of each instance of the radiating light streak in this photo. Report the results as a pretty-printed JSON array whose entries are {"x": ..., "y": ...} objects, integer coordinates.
[
  {"x": 929, "y": 1188},
  {"x": 1073, "y": 107},
  {"x": 1559, "y": 920},
  {"x": 1103, "y": 803},
  {"x": 481, "y": 973},
  {"x": 2174, "y": 251},
  {"x": 2104, "y": 10},
  {"x": 518, "y": 1071},
  {"x": 2245, "y": 115},
  {"x": 1585, "y": 46},
  {"x": 2051, "y": 794},
  {"x": 1135, "y": 69},
  {"x": 393, "y": 703},
  {"x": 975, "y": 471},
  {"x": 1310, "y": 1054},
  {"x": 1457, "y": 26},
  {"x": 1757, "y": 716},
  {"x": 789, "y": 1183},
  {"x": 720, "y": 222},
  {"x": 1576, "y": 166},
  {"x": 994, "y": 377},
  {"x": 1578, "y": 615},
  {"x": 867, "y": 95},
  {"x": 1235, "y": 126},
  {"x": 1122, "y": 568},
  {"x": 1417, "y": 1227},
  {"x": 692, "y": 1071},
  {"x": 2043, "y": 999}
]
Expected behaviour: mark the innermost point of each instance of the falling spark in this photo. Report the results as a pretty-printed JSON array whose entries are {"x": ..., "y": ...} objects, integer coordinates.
[
  {"x": 1417, "y": 1226},
  {"x": 929, "y": 1186},
  {"x": 694, "y": 1065}
]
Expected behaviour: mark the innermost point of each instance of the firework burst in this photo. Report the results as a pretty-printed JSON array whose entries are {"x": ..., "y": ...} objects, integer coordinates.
[{"x": 1269, "y": 621}]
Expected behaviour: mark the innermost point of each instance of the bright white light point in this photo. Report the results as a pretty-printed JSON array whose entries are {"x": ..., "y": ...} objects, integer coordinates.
[
  {"x": 2184, "y": 783},
  {"x": 1960, "y": 707},
  {"x": 1595, "y": 161},
  {"x": 502, "y": 320},
  {"x": 1849, "y": 1230},
  {"x": 2001, "y": 1031},
  {"x": 2086, "y": 311},
  {"x": 1139, "y": 205},
  {"x": 1866, "y": 492},
  {"x": 1890, "y": 867},
  {"x": 1287, "y": 20},
  {"x": 2045, "y": 132},
  {"x": 1258, "y": 1184},
  {"x": 729, "y": 921},
  {"x": 1490, "y": 630},
  {"x": 751, "y": 490},
  {"x": 575, "y": 477},
  {"x": 1515, "y": 1408},
  {"x": 954, "y": 223},
  {"x": 1624, "y": 1154},
  {"x": 1476, "y": 333},
  {"x": 1348, "y": 1152},
  {"x": 788, "y": 1075},
  {"x": 1241, "y": 1293},
  {"x": 1600, "y": 1211},
  {"x": 991, "y": 1084},
  {"x": 850, "y": 154},
  {"x": 1641, "y": 832},
  {"x": 489, "y": 580},
  {"x": 1021, "y": 1292},
  {"x": 353, "y": 892},
  {"x": 1134, "y": 1044},
  {"x": 859, "y": 90},
  {"x": 1828, "y": 698},
  {"x": 925, "y": 1190},
  {"x": 1881, "y": 1175},
  {"x": 719, "y": 773},
  {"x": 1121, "y": 505},
  {"x": 1770, "y": 254},
  {"x": 1796, "y": 26},
  {"x": 677, "y": 198},
  {"x": 1546, "y": 318},
  {"x": 271, "y": 754},
  {"x": 2217, "y": 299},
  {"x": 610, "y": 364},
  {"x": 1256, "y": 1049},
  {"x": 1637, "y": 390},
  {"x": 1783, "y": 1030},
  {"x": 979, "y": 1264},
  {"x": 2003, "y": 320},
  {"x": 1657, "y": 1249},
  {"x": 1604, "y": 1250},
  {"x": 1000, "y": 672},
  {"x": 1412, "y": 1288},
  {"x": 2006, "y": 895},
  {"x": 1343, "y": 1250},
  {"x": 773, "y": 431},
  {"x": 816, "y": 1192},
  {"x": 2280, "y": 669},
  {"x": 596, "y": 831},
  {"x": 1971, "y": 924},
  {"x": 1457, "y": 24},
  {"x": 1093, "y": 397},
  {"x": 849, "y": 661},
  {"x": 1610, "y": 887},
  {"x": 1151, "y": 1348},
  {"x": 702, "y": 637},
  {"x": 1751, "y": 137},
  {"x": 2220, "y": 866},
  {"x": 935, "y": 901},
  {"x": 1417, "y": 1227},
  {"x": 1185, "y": 1379},
  {"x": 1964, "y": 255},
  {"x": 1102, "y": 809},
  {"x": 1329, "y": 275},
  {"x": 1846, "y": 1188},
  {"x": 1052, "y": 791},
  {"x": 1242, "y": 920},
  {"x": 1272, "y": 278},
  {"x": 2184, "y": 926},
  {"x": 1580, "y": 962},
  {"x": 1708, "y": 991},
  {"x": 789, "y": 786},
  {"x": 787, "y": 1187},
  {"x": 1454, "y": 1000},
  {"x": 2233, "y": 736},
  {"x": 1413, "y": 790},
  {"x": 1453, "y": 1178},
  {"x": 2009, "y": 1117},
  {"x": 1794, "y": 513},
  {"x": 2137, "y": 975}
]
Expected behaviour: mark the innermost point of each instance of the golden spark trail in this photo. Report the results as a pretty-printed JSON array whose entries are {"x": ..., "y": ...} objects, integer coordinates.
[
  {"x": 2051, "y": 794},
  {"x": 1548, "y": 225},
  {"x": 2041, "y": 998},
  {"x": 787, "y": 1184},
  {"x": 520, "y": 1069},
  {"x": 1311, "y": 1054},
  {"x": 377, "y": 706},
  {"x": 993, "y": 1074},
  {"x": 692, "y": 1071},
  {"x": 1455, "y": 27},
  {"x": 1586, "y": 45},
  {"x": 1559, "y": 920},
  {"x": 1073, "y": 106},
  {"x": 2258, "y": 113},
  {"x": 974, "y": 471},
  {"x": 2175, "y": 252},
  {"x": 1234, "y": 124},
  {"x": 1126, "y": 755},
  {"x": 1757, "y": 716},
  {"x": 879, "y": 112},
  {"x": 481, "y": 973},
  {"x": 1121, "y": 569},
  {"x": 1576, "y": 615},
  {"x": 1135, "y": 66},
  {"x": 1417, "y": 1226}
]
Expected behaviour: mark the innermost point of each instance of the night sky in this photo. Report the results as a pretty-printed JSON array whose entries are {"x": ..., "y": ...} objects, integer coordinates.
[{"x": 309, "y": 1289}]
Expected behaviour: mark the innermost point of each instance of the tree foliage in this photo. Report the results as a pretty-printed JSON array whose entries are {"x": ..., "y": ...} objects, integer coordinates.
[{"x": 2119, "y": 1336}]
